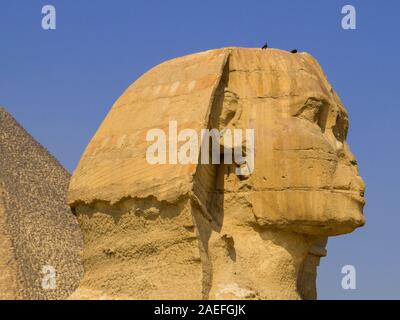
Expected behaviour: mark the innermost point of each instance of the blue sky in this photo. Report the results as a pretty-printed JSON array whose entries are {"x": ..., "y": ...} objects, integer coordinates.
[{"x": 60, "y": 84}]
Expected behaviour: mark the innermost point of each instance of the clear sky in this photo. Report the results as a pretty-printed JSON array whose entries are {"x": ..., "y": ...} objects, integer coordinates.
[{"x": 60, "y": 84}]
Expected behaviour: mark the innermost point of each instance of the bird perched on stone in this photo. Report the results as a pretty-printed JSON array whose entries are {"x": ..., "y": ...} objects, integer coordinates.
[
  {"x": 294, "y": 51},
  {"x": 265, "y": 46}
]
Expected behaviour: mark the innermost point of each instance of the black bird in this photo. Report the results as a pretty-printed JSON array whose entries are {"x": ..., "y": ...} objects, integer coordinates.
[
  {"x": 265, "y": 46},
  {"x": 294, "y": 51}
]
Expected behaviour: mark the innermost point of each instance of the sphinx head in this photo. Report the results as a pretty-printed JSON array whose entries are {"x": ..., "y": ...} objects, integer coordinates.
[
  {"x": 260, "y": 234},
  {"x": 305, "y": 178}
]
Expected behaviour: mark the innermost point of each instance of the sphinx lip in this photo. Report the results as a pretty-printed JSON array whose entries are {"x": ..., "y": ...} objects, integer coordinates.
[
  {"x": 357, "y": 195},
  {"x": 360, "y": 199}
]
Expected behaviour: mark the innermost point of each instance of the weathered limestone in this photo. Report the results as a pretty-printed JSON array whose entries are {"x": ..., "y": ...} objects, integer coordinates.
[
  {"x": 37, "y": 228},
  {"x": 194, "y": 231}
]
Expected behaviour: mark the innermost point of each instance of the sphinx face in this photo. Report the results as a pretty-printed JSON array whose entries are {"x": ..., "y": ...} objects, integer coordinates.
[
  {"x": 312, "y": 175},
  {"x": 305, "y": 176},
  {"x": 318, "y": 172}
]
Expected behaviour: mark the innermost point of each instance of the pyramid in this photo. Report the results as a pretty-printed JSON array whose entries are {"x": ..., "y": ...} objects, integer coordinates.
[{"x": 40, "y": 238}]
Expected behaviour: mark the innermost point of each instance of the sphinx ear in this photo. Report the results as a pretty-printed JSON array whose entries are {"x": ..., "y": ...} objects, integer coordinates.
[
  {"x": 225, "y": 116},
  {"x": 231, "y": 111},
  {"x": 226, "y": 111}
]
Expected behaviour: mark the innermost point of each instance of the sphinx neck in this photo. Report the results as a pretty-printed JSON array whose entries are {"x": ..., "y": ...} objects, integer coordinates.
[{"x": 263, "y": 265}]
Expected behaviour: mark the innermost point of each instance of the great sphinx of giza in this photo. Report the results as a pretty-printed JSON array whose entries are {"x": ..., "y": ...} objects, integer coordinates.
[{"x": 202, "y": 231}]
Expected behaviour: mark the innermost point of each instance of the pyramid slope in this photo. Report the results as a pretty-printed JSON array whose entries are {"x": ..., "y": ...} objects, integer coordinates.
[{"x": 37, "y": 228}]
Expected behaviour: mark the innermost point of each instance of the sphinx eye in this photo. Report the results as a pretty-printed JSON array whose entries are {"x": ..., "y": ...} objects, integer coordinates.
[
  {"x": 341, "y": 127},
  {"x": 315, "y": 111}
]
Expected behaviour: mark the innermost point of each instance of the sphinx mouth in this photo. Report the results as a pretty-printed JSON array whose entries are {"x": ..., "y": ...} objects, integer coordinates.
[
  {"x": 357, "y": 195},
  {"x": 360, "y": 199}
]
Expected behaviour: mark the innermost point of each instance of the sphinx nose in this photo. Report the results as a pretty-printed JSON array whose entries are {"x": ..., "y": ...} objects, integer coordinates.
[
  {"x": 346, "y": 153},
  {"x": 358, "y": 184},
  {"x": 351, "y": 158}
]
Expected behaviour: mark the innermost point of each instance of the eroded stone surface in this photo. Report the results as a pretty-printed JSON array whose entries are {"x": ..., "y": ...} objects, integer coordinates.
[{"x": 201, "y": 231}]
